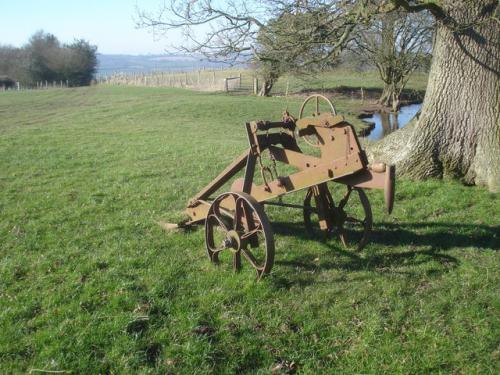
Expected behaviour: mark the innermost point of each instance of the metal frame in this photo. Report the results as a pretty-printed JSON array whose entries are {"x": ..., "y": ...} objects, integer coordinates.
[{"x": 341, "y": 160}]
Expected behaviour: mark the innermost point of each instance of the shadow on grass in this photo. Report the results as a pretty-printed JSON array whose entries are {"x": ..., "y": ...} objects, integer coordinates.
[{"x": 413, "y": 244}]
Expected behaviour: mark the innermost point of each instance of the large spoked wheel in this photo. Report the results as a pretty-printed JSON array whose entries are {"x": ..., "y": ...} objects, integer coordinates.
[
  {"x": 351, "y": 218},
  {"x": 237, "y": 226},
  {"x": 311, "y": 139}
]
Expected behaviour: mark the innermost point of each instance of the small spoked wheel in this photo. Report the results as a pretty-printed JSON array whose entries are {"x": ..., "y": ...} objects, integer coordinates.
[
  {"x": 237, "y": 226},
  {"x": 351, "y": 218}
]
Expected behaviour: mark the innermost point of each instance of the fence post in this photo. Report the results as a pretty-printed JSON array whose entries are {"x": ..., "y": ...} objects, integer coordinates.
[
  {"x": 67, "y": 83},
  {"x": 214, "y": 78},
  {"x": 18, "y": 85},
  {"x": 226, "y": 88},
  {"x": 255, "y": 85},
  {"x": 46, "y": 84},
  {"x": 240, "y": 80},
  {"x": 362, "y": 95},
  {"x": 287, "y": 86}
]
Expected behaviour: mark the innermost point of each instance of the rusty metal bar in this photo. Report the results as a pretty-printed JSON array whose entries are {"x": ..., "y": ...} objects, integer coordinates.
[
  {"x": 290, "y": 205},
  {"x": 222, "y": 178}
]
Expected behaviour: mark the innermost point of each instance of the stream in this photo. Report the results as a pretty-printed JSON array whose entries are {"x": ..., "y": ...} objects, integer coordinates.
[{"x": 386, "y": 123}]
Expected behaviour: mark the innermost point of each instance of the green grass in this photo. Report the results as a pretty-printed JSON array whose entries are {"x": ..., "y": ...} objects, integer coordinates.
[
  {"x": 337, "y": 78},
  {"x": 89, "y": 283},
  {"x": 340, "y": 81}
]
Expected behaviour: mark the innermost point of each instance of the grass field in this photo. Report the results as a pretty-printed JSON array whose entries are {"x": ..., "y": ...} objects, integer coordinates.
[
  {"x": 90, "y": 284},
  {"x": 342, "y": 80}
]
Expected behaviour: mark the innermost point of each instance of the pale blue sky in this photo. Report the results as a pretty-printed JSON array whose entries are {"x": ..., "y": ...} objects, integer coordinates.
[{"x": 109, "y": 24}]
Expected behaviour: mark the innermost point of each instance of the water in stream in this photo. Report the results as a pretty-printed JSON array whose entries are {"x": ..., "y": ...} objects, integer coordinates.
[{"x": 386, "y": 123}]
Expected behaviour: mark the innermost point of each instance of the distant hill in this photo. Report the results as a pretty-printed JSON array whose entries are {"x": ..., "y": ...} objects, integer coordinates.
[{"x": 108, "y": 64}]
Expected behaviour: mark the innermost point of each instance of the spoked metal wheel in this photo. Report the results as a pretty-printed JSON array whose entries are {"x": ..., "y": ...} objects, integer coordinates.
[
  {"x": 351, "y": 217},
  {"x": 237, "y": 227}
]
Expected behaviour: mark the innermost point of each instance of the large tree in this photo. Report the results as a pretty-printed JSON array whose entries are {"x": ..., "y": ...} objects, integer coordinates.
[
  {"x": 279, "y": 50},
  {"x": 396, "y": 43},
  {"x": 45, "y": 58},
  {"x": 81, "y": 62},
  {"x": 457, "y": 133}
]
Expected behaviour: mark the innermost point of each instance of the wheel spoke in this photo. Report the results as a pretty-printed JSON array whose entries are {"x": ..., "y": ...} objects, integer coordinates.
[
  {"x": 345, "y": 198},
  {"x": 251, "y": 258},
  {"x": 212, "y": 246},
  {"x": 249, "y": 218},
  {"x": 237, "y": 261},
  {"x": 251, "y": 233},
  {"x": 351, "y": 219},
  {"x": 343, "y": 237},
  {"x": 219, "y": 221},
  {"x": 218, "y": 249},
  {"x": 238, "y": 213}
]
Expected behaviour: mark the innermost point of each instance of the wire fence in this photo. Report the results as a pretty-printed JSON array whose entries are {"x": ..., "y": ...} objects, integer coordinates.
[
  {"x": 201, "y": 80},
  {"x": 39, "y": 85},
  {"x": 228, "y": 80}
]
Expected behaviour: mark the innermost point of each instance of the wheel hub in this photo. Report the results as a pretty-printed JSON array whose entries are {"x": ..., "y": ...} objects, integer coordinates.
[{"x": 232, "y": 241}]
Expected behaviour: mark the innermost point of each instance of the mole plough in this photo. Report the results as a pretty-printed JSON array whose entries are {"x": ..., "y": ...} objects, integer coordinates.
[{"x": 235, "y": 221}]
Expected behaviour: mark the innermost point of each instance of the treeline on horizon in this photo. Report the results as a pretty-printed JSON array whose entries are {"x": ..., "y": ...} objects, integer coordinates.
[{"x": 45, "y": 59}]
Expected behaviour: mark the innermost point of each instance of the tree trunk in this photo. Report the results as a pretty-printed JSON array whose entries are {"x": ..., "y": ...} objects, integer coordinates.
[
  {"x": 457, "y": 133},
  {"x": 266, "y": 88},
  {"x": 387, "y": 95}
]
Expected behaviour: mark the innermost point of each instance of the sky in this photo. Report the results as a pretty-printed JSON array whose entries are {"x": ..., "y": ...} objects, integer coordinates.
[{"x": 109, "y": 24}]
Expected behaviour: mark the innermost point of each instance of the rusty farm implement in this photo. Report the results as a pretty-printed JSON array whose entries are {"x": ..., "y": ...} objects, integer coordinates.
[{"x": 235, "y": 220}]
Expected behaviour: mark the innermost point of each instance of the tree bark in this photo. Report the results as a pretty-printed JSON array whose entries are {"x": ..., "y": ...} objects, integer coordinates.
[
  {"x": 387, "y": 95},
  {"x": 266, "y": 88},
  {"x": 457, "y": 132}
]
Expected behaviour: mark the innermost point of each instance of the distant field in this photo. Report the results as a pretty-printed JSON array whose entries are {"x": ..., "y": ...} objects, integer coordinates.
[
  {"x": 344, "y": 78},
  {"x": 90, "y": 284},
  {"x": 108, "y": 63},
  {"x": 179, "y": 65},
  {"x": 338, "y": 81}
]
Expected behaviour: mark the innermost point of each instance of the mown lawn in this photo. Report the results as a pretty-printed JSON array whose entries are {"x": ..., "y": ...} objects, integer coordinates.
[{"x": 89, "y": 283}]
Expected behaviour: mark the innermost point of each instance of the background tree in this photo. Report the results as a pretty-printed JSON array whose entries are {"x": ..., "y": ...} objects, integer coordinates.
[
  {"x": 397, "y": 44},
  {"x": 81, "y": 63},
  {"x": 44, "y": 58},
  {"x": 268, "y": 61},
  {"x": 14, "y": 63}
]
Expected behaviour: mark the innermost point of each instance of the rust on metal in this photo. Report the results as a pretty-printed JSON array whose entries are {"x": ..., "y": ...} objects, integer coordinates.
[{"x": 235, "y": 221}]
